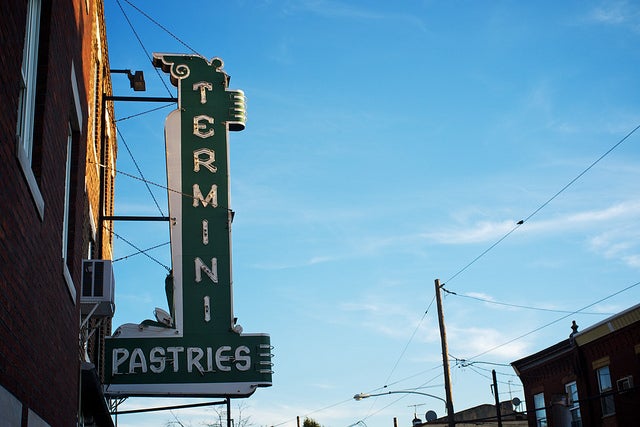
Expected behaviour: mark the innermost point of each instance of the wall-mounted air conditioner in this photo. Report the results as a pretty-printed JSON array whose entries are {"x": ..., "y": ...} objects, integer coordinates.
[
  {"x": 98, "y": 286},
  {"x": 625, "y": 383}
]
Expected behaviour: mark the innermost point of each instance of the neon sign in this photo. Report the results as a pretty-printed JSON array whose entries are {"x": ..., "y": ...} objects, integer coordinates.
[{"x": 196, "y": 349}]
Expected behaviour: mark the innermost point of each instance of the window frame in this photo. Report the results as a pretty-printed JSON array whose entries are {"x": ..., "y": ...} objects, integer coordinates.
[
  {"x": 607, "y": 403},
  {"x": 573, "y": 402},
  {"x": 27, "y": 101},
  {"x": 541, "y": 421},
  {"x": 66, "y": 214},
  {"x": 74, "y": 130}
]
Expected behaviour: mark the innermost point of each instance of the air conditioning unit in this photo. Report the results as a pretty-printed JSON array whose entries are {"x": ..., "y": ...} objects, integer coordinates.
[
  {"x": 98, "y": 286},
  {"x": 625, "y": 383}
]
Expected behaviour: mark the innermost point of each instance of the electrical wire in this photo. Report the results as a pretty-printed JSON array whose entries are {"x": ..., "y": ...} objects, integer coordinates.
[
  {"x": 142, "y": 251},
  {"x": 542, "y": 206},
  {"x": 148, "y": 55},
  {"x": 144, "y": 112},
  {"x": 163, "y": 28},
  {"x": 522, "y": 306},
  {"x": 555, "y": 321},
  {"x": 139, "y": 171},
  {"x": 129, "y": 175},
  {"x": 410, "y": 340},
  {"x": 314, "y": 412},
  {"x": 404, "y": 350}
]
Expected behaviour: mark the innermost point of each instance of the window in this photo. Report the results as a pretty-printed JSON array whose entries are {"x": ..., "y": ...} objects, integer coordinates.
[
  {"x": 606, "y": 395},
  {"x": 66, "y": 232},
  {"x": 574, "y": 404},
  {"x": 540, "y": 410},
  {"x": 27, "y": 101}
]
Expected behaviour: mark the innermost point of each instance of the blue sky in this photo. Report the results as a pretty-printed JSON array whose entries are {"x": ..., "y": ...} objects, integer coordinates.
[{"x": 388, "y": 145}]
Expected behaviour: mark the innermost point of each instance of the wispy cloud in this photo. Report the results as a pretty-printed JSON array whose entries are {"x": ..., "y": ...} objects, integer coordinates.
[
  {"x": 382, "y": 317},
  {"x": 613, "y": 13},
  {"x": 473, "y": 340},
  {"x": 616, "y": 13},
  {"x": 345, "y": 10},
  {"x": 614, "y": 231},
  {"x": 486, "y": 231}
]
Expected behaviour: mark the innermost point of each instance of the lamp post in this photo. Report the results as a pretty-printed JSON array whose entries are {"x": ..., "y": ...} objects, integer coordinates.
[{"x": 361, "y": 396}]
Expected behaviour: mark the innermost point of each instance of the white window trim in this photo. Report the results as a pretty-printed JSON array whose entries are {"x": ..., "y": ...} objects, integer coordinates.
[
  {"x": 26, "y": 110},
  {"x": 574, "y": 405},
  {"x": 74, "y": 123},
  {"x": 10, "y": 408},
  {"x": 65, "y": 217},
  {"x": 34, "y": 420}
]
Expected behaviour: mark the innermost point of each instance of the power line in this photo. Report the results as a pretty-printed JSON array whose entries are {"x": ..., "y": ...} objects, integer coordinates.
[
  {"x": 410, "y": 340},
  {"x": 142, "y": 251},
  {"x": 129, "y": 175},
  {"x": 149, "y": 56},
  {"x": 542, "y": 206},
  {"x": 521, "y": 306},
  {"x": 555, "y": 321},
  {"x": 140, "y": 171},
  {"x": 144, "y": 112},
  {"x": 163, "y": 28}
]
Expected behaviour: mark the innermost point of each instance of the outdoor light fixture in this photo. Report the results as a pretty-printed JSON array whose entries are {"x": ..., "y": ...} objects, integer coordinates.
[
  {"x": 361, "y": 396},
  {"x": 136, "y": 79}
]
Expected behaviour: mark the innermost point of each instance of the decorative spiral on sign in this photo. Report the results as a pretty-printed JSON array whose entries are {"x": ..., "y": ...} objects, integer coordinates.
[
  {"x": 180, "y": 71},
  {"x": 217, "y": 63}
]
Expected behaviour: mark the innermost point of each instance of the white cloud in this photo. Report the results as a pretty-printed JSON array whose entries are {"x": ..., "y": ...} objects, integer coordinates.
[
  {"x": 613, "y": 13},
  {"x": 481, "y": 231},
  {"x": 487, "y": 231},
  {"x": 616, "y": 13},
  {"x": 473, "y": 340}
]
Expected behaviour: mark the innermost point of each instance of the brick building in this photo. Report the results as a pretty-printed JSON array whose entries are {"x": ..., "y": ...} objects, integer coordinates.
[
  {"x": 54, "y": 135},
  {"x": 588, "y": 379}
]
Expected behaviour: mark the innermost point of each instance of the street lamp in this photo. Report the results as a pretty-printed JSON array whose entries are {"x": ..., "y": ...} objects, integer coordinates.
[
  {"x": 136, "y": 79},
  {"x": 361, "y": 396},
  {"x": 416, "y": 420}
]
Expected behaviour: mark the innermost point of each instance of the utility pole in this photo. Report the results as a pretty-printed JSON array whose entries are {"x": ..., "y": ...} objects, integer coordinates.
[
  {"x": 497, "y": 396},
  {"x": 445, "y": 357}
]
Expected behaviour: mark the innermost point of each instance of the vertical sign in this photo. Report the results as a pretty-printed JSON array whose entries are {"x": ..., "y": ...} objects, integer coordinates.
[{"x": 196, "y": 349}]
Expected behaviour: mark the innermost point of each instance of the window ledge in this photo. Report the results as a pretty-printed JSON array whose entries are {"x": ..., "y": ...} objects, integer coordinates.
[
  {"x": 31, "y": 182},
  {"x": 69, "y": 281}
]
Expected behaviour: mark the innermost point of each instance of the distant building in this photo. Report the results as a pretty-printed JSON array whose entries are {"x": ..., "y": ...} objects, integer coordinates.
[
  {"x": 54, "y": 139},
  {"x": 588, "y": 379},
  {"x": 484, "y": 415}
]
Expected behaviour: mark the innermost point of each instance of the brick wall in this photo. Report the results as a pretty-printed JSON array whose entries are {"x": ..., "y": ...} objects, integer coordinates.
[{"x": 39, "y": 322}]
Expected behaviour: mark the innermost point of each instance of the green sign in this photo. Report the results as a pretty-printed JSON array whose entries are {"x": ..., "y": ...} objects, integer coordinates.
[{"x": 195, "y": 349}]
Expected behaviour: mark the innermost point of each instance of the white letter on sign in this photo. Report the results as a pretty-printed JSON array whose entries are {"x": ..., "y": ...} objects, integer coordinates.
[
  {"x": 194, "y": 354},
  {"x": 208, "y": 163},
  {"x": 211, "y": 272},
  {"x": 203, "y": 86},
  {"x": 119, "y": 356},
  {"x": 243, "y": 358},
  {"x": 212, "y": 197},
  {"x": 220, "y": 358},
  {"x": 199, "y": 128},
  {"x": 137, "y": 361},
  {"x": 174, "y": 352},
  {"x": 156, "y": 360}
]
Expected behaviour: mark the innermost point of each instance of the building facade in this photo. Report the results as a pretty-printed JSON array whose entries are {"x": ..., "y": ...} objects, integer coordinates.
[
  {"x": 55, "y": 138},
  {"x": 485, "y": 415},
  {"x": 588, "y": 379}
]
